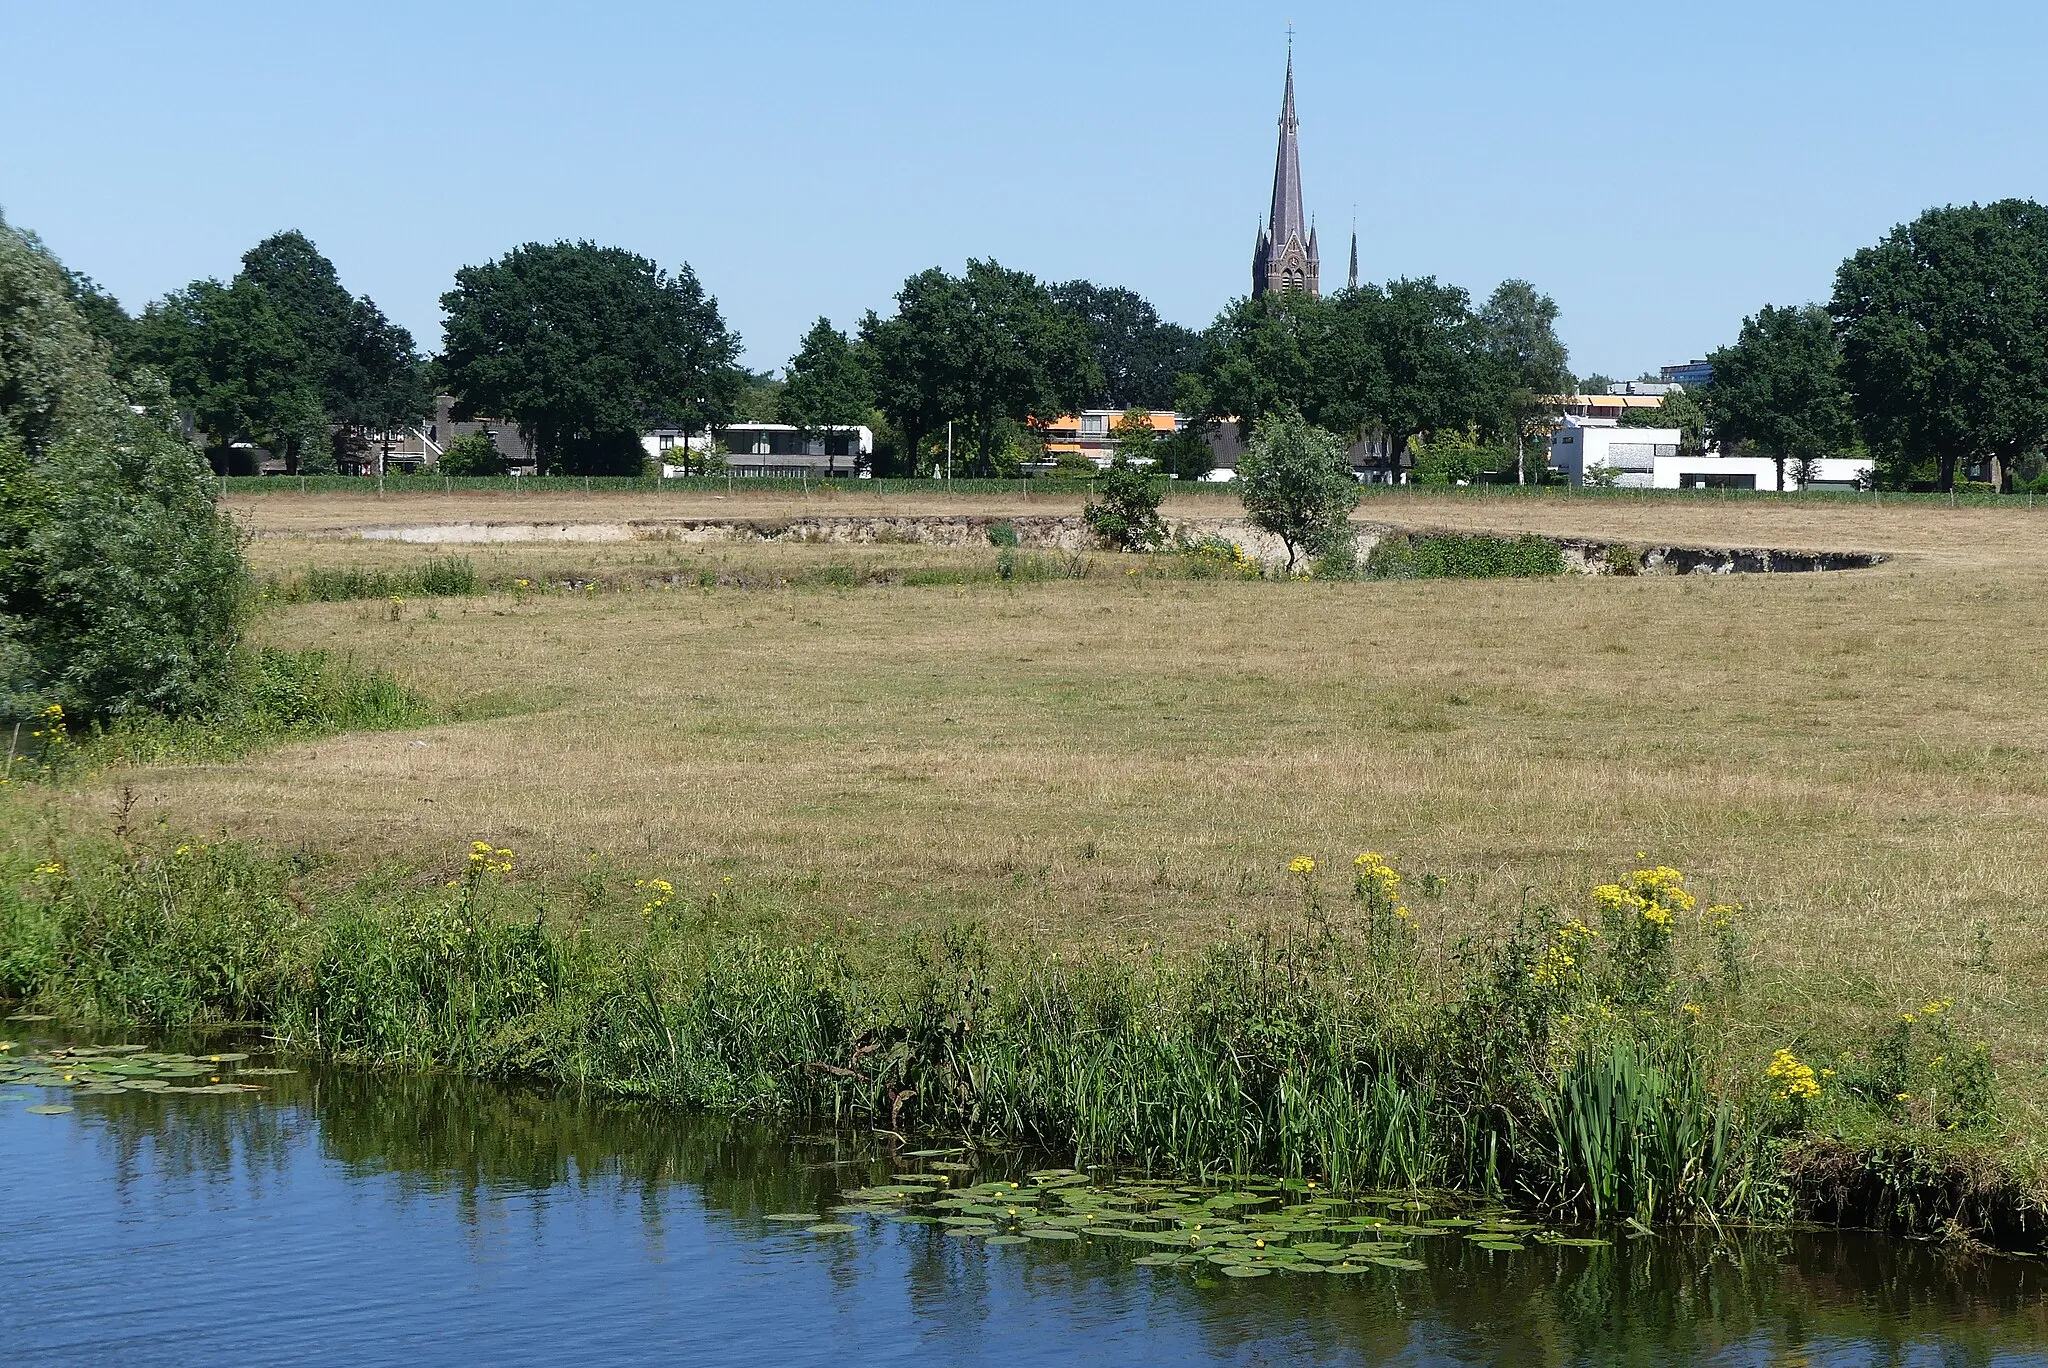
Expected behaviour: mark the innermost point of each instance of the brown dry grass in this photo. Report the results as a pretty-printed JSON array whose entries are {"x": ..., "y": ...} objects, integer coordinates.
[{"x": 1850, "y": 755}]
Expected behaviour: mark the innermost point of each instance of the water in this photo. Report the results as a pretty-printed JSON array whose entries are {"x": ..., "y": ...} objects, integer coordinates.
[{"x": 343, "y": 1218}]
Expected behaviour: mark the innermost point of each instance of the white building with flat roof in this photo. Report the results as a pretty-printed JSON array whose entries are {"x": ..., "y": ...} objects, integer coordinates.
[{"x": 1647, "y": 458}]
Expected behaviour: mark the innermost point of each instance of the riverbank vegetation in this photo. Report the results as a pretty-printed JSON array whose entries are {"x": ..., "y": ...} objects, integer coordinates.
[{"x": 1589, "y": 1060}]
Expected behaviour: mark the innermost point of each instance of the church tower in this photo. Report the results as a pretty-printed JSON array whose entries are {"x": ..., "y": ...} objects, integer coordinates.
[{"x": 1285, "y": 257}]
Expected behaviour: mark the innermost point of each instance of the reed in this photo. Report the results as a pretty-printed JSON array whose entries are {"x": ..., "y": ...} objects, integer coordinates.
[{"x": 1530, "y": 1067}]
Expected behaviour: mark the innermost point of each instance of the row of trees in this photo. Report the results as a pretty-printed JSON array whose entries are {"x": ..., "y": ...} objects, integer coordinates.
[{"x": 1931, "y": 356}]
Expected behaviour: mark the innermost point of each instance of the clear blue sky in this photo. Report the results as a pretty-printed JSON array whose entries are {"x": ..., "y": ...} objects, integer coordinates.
[{"x": 1659, "y": 169}]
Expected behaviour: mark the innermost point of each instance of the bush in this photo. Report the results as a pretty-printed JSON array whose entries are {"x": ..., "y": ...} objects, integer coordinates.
[
  {"x": 1127, "y": 518},
  {"x": 1295, "y": 481},
  {"x": 122, "y": 586},
  {"x": 443, "y": 577},
  {"x": 1454, "y": 557},
  {"x": 476, "y": 454}
]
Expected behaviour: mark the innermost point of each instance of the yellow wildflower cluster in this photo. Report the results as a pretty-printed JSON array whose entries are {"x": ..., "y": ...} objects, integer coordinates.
[
  {"x": 659, "y": 893},
  {"x": 50, "y": 869},
  {"x": 483, "y": 859},
  {"x": 1301, "y": 864},
  {"x": 1553, "y": 967},
  {"x": 1653, "y": 894},
  {"x": 53, "y": 732},
  {"x": 1795, "y": 1080},
  {"x": 1379, "y": 880}
]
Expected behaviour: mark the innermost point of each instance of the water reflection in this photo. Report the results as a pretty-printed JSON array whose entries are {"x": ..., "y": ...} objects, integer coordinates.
[{"x": 606, "y": 1225}]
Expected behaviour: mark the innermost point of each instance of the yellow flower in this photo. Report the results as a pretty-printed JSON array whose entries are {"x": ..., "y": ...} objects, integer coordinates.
[
  {"x": 1693, "y": 1010},
  {"x": 1796, "y": 1080},
  {"x": 50, "y": 868},
  {"x": 1301, "y": 864}
]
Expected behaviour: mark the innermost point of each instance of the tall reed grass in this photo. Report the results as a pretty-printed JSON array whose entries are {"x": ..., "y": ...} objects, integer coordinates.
[{"x": 1552, "y": 1065}]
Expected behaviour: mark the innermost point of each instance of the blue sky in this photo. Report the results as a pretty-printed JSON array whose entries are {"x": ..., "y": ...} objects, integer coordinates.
[{"x": 1660, "y": 169}]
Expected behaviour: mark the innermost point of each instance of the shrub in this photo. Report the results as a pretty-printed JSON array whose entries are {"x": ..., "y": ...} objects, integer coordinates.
[
  {"x": 122, "y": 587},
  {"x": 476, "y": 454},
  {"x": 1127, "y": 518},
  {"x": 1456, "y": 557},
  {"x": 1295, "y": 482}
]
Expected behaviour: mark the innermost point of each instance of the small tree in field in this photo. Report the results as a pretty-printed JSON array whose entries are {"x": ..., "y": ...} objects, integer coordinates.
[
  {"x": 1295, "y": 482},
  {"x": 1127, "y": 518}
]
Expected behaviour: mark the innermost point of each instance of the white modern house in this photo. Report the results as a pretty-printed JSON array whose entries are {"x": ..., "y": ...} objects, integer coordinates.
[
  {"x": 1647, "y": 458},
  {"x": 771, "y": 449}
]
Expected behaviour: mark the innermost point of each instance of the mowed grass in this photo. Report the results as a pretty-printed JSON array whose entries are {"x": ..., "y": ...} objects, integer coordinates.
[{"x": 1123, "y": 761}]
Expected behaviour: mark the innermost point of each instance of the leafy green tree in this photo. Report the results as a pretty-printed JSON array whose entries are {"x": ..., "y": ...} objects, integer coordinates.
[
  {"x": 1127, "y": 515},
  {"x": 1527, "y": 364},
  {"x": 122, "y": 586},
  {"x": 282, "y": 356},
  {"x": 586, "y": 347},
  {"x": 235, "y": 362},
  {"x": 1596, "y": 383},
  {"x": 1186, "y": 453},
  {"x": 1944, "y": 334},
  {"x": 1679, "y": 410},
  {"x": 984, "y": 347},
  {"x": 50, "y": 365},
  {"x": 104, "y": 317},
  {"x": 1429, "y": 344},
  {"x": 1780, "y": 388},
  {"x": 1295, "y": 482},
  {"x": 1140, "y": 356},
  {"x": 476, "y": 454},
  {"x": 826, "y": 385}
]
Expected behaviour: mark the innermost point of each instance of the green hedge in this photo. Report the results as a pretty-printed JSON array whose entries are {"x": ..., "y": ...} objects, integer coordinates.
[{"x": 1454, "y": 557}]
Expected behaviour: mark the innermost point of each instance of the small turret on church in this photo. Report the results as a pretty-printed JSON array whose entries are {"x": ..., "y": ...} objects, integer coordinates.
[{"x": 1286, "y": 257}]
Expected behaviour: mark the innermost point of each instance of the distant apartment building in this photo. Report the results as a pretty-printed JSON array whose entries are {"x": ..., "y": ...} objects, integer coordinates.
[
  {"x": 1690, "y": 374},
  {"x": 1092, "y": 432}
]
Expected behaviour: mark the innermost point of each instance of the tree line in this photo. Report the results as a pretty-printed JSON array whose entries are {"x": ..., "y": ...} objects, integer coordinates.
[{"x": 1930, "y": 359}]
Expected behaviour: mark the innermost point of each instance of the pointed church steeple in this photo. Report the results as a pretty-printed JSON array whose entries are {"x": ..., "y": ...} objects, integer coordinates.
[
  {"x": 1351, "y": 282},
  {"x": 1286, "y": 257}
]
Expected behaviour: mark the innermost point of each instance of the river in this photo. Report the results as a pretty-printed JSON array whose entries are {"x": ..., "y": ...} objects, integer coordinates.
[{"x": 342, "y": 1217}]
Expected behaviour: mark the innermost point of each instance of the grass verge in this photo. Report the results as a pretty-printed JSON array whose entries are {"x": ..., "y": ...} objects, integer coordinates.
[{"x": 1580, "y": 1065}]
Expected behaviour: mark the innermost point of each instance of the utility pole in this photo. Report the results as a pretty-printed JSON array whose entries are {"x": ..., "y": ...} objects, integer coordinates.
[{"x": 949, "y": 451}]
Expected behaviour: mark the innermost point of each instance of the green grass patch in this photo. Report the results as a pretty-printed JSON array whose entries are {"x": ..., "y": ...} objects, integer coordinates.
[
  {"x": 1550, "y": 1064},
  {"x": 446, "y": 577},
  {"x": 1404, "y": 556}
]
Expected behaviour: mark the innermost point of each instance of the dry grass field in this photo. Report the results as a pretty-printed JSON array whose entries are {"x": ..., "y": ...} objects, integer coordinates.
[{"x": 1853, "y": 756}]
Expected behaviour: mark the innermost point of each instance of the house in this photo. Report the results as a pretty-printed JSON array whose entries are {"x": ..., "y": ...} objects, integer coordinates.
[
  {"x": 1092, "y": 432},
  {"x": 839, "y": 451},
  {"x": 1648, "y": 458}
]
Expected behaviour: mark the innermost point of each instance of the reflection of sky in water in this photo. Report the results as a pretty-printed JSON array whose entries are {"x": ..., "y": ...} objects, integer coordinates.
[{"x": 426, "y": 1222}]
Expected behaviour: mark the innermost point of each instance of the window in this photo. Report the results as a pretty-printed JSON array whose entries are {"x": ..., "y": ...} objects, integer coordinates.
[{"x": 1094, "y": 425}]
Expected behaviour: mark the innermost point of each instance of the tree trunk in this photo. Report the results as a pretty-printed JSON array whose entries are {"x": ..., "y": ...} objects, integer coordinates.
[{"x": 1946, "y": 481}]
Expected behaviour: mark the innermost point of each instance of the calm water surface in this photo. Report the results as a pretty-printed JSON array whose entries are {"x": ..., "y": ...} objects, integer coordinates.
[{"x": 339, "y": 1218}]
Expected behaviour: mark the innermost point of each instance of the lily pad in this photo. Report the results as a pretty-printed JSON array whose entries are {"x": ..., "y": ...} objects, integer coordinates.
[
  {"x": 1006, "y": 1240},
  {"x": 1247, "y": 1271},
  {"x": 793, "y": 1217},
  {"x": 829, "y": 1228},
  {"x": 48, "y": 1109},
  {"x": 1051, "y": 1233},
  {"x": 1405, "y": 1265}
]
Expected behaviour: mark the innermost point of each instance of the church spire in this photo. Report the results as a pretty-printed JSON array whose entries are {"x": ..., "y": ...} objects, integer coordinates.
[
  {"x": 1352, "y": 282},
  {"x": 1286, "y": 257},
  {"x": 1287, "y": 219}
]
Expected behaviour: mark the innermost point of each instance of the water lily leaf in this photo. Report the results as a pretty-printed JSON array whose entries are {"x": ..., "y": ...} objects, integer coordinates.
[
  {"x": 829, "y": 1228},
  {"x": 1050, "y": 1233},
  {"x": 1006, "y": 1240},
  {"x": 48, "y": 1109},
  {"x": 1405, "y": 1265},
  {"x": 1246, "y": 1271},
  {"x": 795, "y": 1217},
  {"x": 263, "y": 1073},
  {"x": 230, "y": 1057},
  {"x": 931, "y": 1153}
]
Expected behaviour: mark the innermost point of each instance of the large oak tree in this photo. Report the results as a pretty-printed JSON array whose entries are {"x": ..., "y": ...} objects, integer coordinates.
[
  {"x": 586, "y": 348},
  {"x": 1944, "y": 334}
]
